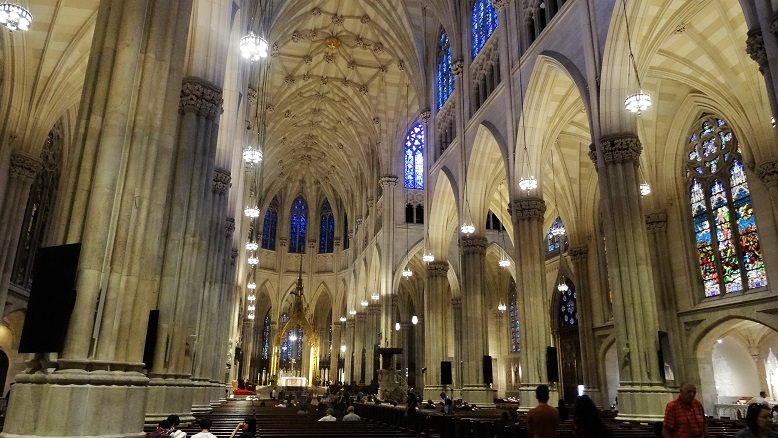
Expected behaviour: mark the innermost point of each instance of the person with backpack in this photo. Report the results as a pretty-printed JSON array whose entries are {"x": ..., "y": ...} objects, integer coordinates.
[
  {"x": 162, "y": 430},
  {"x": 174, "y": 421}
]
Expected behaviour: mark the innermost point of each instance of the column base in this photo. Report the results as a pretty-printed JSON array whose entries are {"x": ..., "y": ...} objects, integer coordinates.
[
  {"x": 478, "y": 395},
  {"x": 76, "y": 403},
  {"x": 169, "y": 395},
  {"x": 218, "y": 396},
  {"x": 527, "y": 399},
  {"x": 201, "y": 397},
  {"x": 643, "y": 403}
]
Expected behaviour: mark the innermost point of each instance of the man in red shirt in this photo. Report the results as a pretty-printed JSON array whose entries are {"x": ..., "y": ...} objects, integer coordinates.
[
  {"x": 685, "y": 416},
  {"x": 542, "y": 420}
]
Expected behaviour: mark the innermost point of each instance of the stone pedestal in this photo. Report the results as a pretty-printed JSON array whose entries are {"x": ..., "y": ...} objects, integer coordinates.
[
  {"x": 640, "y": 402},
  {"x": 168, "y": 396}
]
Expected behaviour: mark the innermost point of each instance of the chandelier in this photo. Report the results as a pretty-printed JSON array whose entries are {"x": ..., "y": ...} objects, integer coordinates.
[
  {"x": 363, "y": 303},
  {"x": 252, "y": 246},
  {"x": 251, "y": 212},
  {"x": 467, "y": 228},
  {"x": 251, "y": 155},
  {"x": 407, "y": 273},
  {"x": 293, "y": 337},
  {"x": 375, "y": 296},
  {"x": 504, "y": 263},
  {"x": 251, "y": 285},
  {"x": 558, "y": 230},
  {"x": 251, "y": 307},
  {"x": 640, "y": 101},
  {"x": 414, "y": 319},
  {"x": 253, "y": 260},
  {"x": 352, "y": 312},
  {"x": 562, "y": 286},
  {"x": 428, "y": 258},
  {"x": 645, "y": 189},
  {"x": 397, "y": 326},
  {"x": 251, "y": 315},
  {"x": 342, "y": 319},
  {"x": 501, "y": 307},
  {"x": 528, "y": 183},
  {"x": 253, "y": 47},
  {"x": 252, "y": 297},
  {"x": 15, "y": 17}
]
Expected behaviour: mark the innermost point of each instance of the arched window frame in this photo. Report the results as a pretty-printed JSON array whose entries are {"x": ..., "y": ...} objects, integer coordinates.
[
  {"x": 413, "y": 157},
  {"x": 298, "y": 225},
  {"x": 270, "y": 226},
  {"x": 326, "y": 229},
  {"x": 729, "y": 258},
  {"x": 483, "y": 22},
  {"x": 445, "y": 75}
]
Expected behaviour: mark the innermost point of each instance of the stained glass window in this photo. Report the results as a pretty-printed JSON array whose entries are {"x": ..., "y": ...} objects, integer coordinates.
[
  {"x": 414, "y": 158},
  {"x": 270, "y": 226},
  {"x": 513, "y": 318},
  {"x": 327, "y": 229},
  {"x": 297, "y": 225},
  {"x": 556, "y": 242},
  {"x": 445, "y": 77},
  {"x": 266, "y": 337},
  {"x": 728, "y": 249},
  {"x": 346, "y": 241},
  {"x": 483, "y": 20},
  {"x": 568, "y": 309}
]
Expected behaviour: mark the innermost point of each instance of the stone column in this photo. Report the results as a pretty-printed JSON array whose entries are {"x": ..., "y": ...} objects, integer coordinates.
[
  {"x": 475, "y": 330},
  {"x": 656, "y": 225},
  {"x": 457, "y": 365},
  {"x": 335, "y": 353},
  {"x": 405, "y": 335},
  {"x": 21, "y": 176},
  {"x": 642, "y": 395},
  {"x": 533, "y": 306},
  {"x": 585, "y": 303},
  {"x": 434, "y": 313},
  {"x": 421, "y": 346},
  {"x": 359, "y": 346},
  {"x": 388, "y": 183},
  {"x": 350, "y": 354},
  {"x": 122, "y": 149},
  {"x": 373, "y": 329},
  {"x": 768, "y": 173}
]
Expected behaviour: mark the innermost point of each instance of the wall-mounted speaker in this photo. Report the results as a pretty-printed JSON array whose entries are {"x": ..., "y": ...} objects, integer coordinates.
[
  {"x": 487, "y": 366},
  {"x": 445, "y": 373},
  {"x": 552, "y": 364}
]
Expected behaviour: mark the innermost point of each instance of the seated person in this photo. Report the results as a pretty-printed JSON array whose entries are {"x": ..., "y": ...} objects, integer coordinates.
[
  {"x": 329, "y": 416},
  {"x": 350, "y": 415}
]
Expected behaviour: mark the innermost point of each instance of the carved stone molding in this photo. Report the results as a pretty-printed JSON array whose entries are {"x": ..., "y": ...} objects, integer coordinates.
[
  {"x": 282, "y": 241},
  {"x": 437, "y": 269},
  {"x": 755, "y": 48},
  {"x": 768, "y": 173},
  {"x": 616, "y": 149},
  {"x": 388, "y": 181},
  {"x": 425, "y": 116},
  {"x": 530, "y": 208},
  {"x": 474, "y": 245},
  {"x": 229, "y": 227},
  {"x": 201, "y": 97},
  {"x": 252, "y": 96},
  {"x": 370, "y": 203},
  {"x": 774, "y": 23},
  {"x": 233, "y": 257},
  {"x": 656, "y": 221},
  {"x": 579, "y": 252},
  {"x": 24, "y": 165},
  {"x": 221, "y": 181},
  {"x": 500, "y": 4},
  {"x": 457, "y": 67}
]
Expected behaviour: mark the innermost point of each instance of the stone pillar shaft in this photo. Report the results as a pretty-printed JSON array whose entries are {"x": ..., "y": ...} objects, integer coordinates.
[
  {"x": 350, "y": 354},
  {"x": 434, "y": 313},
  {"x": 641, "y": 392},
  {"x": 335, "y": 352},
  {"x": 388, "y": 183},
  {"x": 359, "y": 346},
  {"x": 585, "y": 304}
]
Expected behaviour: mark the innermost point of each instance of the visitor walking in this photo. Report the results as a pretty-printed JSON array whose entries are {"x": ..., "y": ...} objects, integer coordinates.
[
  {"x": 685, "y": 416},
  {"x": 543, "y": 420}
]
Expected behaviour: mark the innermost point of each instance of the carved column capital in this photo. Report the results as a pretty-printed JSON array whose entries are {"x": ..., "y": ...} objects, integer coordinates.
[
  {"x": 527, "y": 209},
  {"x": 233, "y": 257},
  {"x": 618, "y": 148},
  {"x": 388, "y": 181},
  {"x": 474, "y": 244},
  {"x": 755, "y": 48},
  {"x": 437, "y": 269},
  {"x": 24, "y": 165},
  {"x": 457, "y": 67},
  {"x": 370, "y": 203},
  {"x": 768, "y": 173},
  {"x": 579, "y": 252},
  {"x": 201, "y": 97},
  {"x": 656, "y": 221},
  {"x": 229, "y": 227},
  {"x": 426, "y": 115},
  {"x": 221, "y": 181},
  {"x": 500, "y": 4}
]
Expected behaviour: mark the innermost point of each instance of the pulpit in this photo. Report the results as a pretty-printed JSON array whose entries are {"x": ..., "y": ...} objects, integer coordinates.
[{"x": 391, "y": 384}]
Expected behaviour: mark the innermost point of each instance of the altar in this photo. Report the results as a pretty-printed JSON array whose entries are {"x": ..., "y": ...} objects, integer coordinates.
[{"x": 294, "y": 382}]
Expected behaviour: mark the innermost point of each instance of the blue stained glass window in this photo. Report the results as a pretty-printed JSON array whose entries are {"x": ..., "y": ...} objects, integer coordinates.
[
  {"x": 513, "y": 315},
  {"x": 270, "y": 226},
  {"x": 297, "y": 225},
  {"x": 445, "y": 77},
  {"x": 555, "y": 242},
  {"x": 414, "y": 158},
  {"x": 483, "y": 20},
  {"x": 327, "y": 230},
  {"x": 568, "y": 307},
  {"x": 728, "y": 248}
]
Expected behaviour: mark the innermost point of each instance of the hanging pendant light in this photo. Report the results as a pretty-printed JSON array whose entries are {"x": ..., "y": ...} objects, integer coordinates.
[
  {"x": 397, "y": 326},
  {"x": 252, "y": 297},
  {"x": 352, "y": 312},
  {"x": 428, "y": 258},
  {"x": 364, "y": 303},
  {"x": 253, "y": 260},
  {"x": 251, "y": 307},
  {"x": 251, "y": 315},
  {"x": 342, "y": 319},
  {"x": 501, "y": 307},
  {"x": 375, "y": 296},
  {"x": 407, "y": 273},
  {"x": 15, "y": 17},
  {"x": 528, "y": 183},
  {"x": 645, "y": 189},
  {"x": 252, "y": 246},
  {"x": 504, "y": 263},
  {"x": 467, "y": 228},
  {"x": 251, "y": 285},
  {"x": 253, "y": 47},
  {"x": 558, "y": 230},
  {"x": 251, "y": 155},
  {"x": 414, "y": 319},
  {"x": 251, "y": 212},
  {"x": 640, "y": 101},
  {"x": 562, "y": 286}
]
